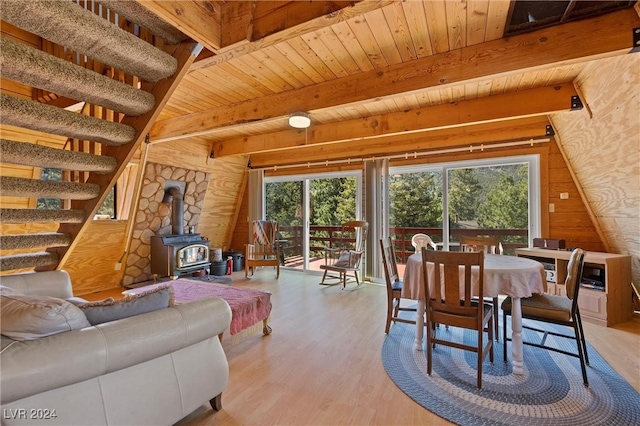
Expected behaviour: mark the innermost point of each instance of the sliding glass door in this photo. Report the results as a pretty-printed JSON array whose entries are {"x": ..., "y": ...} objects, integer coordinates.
[
  {"x": 489, "y": 200},
  {"x": 415, "y": 206},
  {"x": 498, "y": 197},
  {"x": 284, "y": 203},
  {"x": 309, "y": 210}
]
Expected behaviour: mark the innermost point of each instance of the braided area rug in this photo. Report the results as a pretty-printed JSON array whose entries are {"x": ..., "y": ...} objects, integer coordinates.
[{"x": 550, "y": 392}]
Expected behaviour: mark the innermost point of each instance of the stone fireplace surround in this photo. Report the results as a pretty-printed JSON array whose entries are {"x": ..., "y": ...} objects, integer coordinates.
[{"x": 153, "y": 217}]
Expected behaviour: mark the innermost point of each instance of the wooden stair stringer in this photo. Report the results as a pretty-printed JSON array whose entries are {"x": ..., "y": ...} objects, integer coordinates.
[{"x": 185, "y": 53}]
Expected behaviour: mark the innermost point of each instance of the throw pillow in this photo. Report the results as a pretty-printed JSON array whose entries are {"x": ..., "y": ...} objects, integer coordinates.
[
  {"x": 7, "y": 290},
  {"x": 111, "y": 310},
  {"x": 26, "y": 317},
  {"x": 80, "y": 301},
  {"x": 347, "y": 259}
]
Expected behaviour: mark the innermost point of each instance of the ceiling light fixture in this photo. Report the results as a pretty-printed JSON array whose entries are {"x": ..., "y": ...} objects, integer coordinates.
[{"x": 299, "y": 120}]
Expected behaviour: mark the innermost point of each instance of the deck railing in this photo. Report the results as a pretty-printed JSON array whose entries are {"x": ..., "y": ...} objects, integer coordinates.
[{"x": 327, "y": 236}]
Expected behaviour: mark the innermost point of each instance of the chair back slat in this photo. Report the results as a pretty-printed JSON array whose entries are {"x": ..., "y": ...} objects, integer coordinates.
[
  {"x": 453, "y": 273},
  {"x": 389, "y": 261},
  {"x": 354, "y": 235}
]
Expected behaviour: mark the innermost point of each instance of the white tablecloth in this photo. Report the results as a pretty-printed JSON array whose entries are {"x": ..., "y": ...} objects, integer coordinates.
[
  {"x": 514, "y": 276},
  {"x": 510, "y": 275}
]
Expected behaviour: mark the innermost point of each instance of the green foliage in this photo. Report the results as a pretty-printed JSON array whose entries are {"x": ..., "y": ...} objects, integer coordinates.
[
  {"x": 50, "y": 203},
  {"x": 415, "y": 200},
  {"x": 506, "y": 204},
  {"x": 464, "y": 194},
  {"x": 284, "y": 202},
  {"x": 333, "y": 200},
  {"x": 108, "y": 206}
]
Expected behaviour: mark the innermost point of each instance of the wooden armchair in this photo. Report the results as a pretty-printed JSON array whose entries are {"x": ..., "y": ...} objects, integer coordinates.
[
  {"x": 265, "y": 250},
  {"x": 346, "y": 255}
]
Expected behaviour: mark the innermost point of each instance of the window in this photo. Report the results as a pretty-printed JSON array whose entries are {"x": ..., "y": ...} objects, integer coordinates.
[
  {"x": 309, "y": 209},
  {"x": 50, "y": 203},
  {"x": 492, "y": 197},
  {"x": 108, "y": 207}
]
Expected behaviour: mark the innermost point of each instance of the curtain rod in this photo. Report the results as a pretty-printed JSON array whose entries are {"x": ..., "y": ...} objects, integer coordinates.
[{"x": 407, "y": 155}]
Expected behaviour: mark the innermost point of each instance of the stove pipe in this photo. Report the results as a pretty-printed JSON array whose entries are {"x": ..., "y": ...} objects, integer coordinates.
[{"x": 175, "y": 196}]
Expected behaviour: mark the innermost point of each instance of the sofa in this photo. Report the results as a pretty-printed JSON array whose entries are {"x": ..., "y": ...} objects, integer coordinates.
[{"x": 149, "y": 369}]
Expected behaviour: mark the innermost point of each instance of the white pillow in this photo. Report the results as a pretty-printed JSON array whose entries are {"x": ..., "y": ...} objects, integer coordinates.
[{"x": 26, "y": 317}]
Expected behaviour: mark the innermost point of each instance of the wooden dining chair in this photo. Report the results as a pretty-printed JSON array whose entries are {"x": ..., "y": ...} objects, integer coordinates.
[
  {"x": 560, "y": 310},
  {"x": 452, "y": 273},
  {"x": 488, "y": 245},
  {"x": 394, "y": 285},
  {"x": 422, "y": 240}
]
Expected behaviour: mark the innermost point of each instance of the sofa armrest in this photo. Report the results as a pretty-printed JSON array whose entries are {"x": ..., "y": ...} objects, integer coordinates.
[
  {"x": 35, "y": 366},
  {"x": 47, "y": 283}
]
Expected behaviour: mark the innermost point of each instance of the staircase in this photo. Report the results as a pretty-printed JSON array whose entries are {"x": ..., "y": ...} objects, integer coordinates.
[{"x": 97, "y": 57}]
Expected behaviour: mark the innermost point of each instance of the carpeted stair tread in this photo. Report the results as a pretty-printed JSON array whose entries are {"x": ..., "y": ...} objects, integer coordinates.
[
  {"x": 135, "y": 12},
  {"x": 33, "y": 188},
  {"x": 39, "y": 69},
  {"x": 27, "y": 260},
  {"x": 29, "y": 241},
  {"x": 68, "y": 24},
  {"x": 46, "y": 118},
  {"x": 41, "y": 216},
  {"x": 29, "y": 154}
]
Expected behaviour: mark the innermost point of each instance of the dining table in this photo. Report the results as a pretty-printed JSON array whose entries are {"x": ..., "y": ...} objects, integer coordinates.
[{"x": 513, "y": 276}]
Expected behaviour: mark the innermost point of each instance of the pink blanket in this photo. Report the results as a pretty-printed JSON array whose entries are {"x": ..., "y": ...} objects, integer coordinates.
[{"x": 248, "y": 307}]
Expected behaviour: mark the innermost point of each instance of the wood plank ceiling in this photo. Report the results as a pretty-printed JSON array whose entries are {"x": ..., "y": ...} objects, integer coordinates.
[{"x": 376, "y": 77}]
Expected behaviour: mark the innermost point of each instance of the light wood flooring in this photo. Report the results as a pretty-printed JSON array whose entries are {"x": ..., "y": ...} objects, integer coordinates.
[{"x": 322, "y": 365}]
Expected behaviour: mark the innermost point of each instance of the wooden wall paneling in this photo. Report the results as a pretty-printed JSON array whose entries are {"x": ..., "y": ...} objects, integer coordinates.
[
  {"x": 31, "y": 136},
  {"x": 239, "y": 200},
  {"x": 92, "y": 262},
  {"x": 192, "y": 154},
  {"x": 18, "y": 34},
  {"x": 604, "y": 150},
  {"x": 219, "y": 209},
  {"x": 16, "y": 89},
  {"x": 240, "y": 235},
  {"x": 571, "y": 220},
  {"x": 16, "y": 170}
]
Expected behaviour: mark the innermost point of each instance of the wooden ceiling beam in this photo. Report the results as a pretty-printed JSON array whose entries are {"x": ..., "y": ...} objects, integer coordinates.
[
  {"x": 508, "y": 106},
  {"x": 558, "y": 45},
  {"x": 200, "y": 20},
  {"x": 237, "y": 23},
  {"x": 270, "y": 20},
  {"x": 526, "y": 128},
  {"x": 267, "y": 31}
]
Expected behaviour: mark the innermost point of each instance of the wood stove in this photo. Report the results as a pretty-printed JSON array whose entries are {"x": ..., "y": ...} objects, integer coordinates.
[
  {"x": 175, "y": 255},
  {"x": 179, "y": 253}
]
